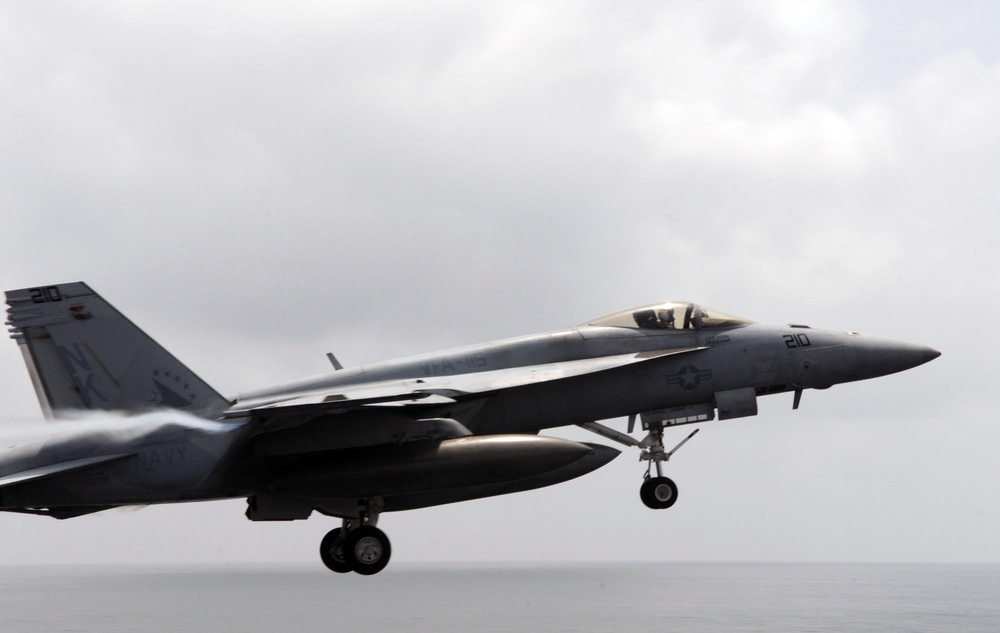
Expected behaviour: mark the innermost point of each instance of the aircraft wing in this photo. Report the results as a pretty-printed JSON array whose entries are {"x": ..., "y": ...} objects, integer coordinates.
[
  {"x": 481, "y": 382},
  {"x": 435, "y": 389}
]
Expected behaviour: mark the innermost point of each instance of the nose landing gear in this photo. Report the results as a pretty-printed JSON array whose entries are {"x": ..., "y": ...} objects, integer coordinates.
[{"x": 659, "y": 492}]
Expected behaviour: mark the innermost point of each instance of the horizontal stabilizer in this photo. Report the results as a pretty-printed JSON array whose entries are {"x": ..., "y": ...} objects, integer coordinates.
[{"x": 42, "y": 472}]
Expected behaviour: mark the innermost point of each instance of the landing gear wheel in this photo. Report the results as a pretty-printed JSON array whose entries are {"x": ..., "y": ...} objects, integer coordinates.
[
  {"x": 658, "y": 493},
  {"x": 331, "y": 550},
  {"x": 367, "y": 550}
]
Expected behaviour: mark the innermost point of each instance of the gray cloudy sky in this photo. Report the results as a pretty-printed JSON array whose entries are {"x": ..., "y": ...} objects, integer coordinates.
[{"x": 257, "y": 185}]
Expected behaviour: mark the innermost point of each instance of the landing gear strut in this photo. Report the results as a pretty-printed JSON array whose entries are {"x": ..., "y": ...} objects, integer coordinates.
[
  {"x": 657, "y": 492},
  {"x": 358, "y": 546}
]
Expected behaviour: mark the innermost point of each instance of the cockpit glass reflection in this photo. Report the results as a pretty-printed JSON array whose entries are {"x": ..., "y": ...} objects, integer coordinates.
[{"x": 670, "y": 316}]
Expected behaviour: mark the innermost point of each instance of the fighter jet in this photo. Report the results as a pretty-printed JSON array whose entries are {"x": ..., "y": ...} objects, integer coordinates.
[{"x": 404, "y": 434}]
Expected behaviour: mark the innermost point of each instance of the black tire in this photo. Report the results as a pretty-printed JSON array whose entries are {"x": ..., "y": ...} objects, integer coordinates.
[
  {"x": 331, "y": 551},
  {"x": 658, "y": 493},
  {"x": 367, "y": 549}
]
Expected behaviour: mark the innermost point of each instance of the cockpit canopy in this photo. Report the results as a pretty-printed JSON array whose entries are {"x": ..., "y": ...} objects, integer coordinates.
[{"x": 673, "y": 315}]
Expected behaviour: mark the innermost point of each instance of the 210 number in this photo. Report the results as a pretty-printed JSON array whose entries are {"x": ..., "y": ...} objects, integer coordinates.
[
  {"x": 796, "y": 340},
  {"x": 48, "y": 294}
]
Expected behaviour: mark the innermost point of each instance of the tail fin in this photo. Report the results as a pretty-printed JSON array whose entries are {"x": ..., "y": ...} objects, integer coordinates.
[{"x": 83, "y": 354}]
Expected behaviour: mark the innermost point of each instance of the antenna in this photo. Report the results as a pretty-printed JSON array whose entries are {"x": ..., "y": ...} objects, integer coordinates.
[{"x": 333, "y": 361}]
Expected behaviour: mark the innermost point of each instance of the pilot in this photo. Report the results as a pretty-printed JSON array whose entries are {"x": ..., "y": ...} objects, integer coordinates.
[
  {"x": 666, "y": 318},
  {"x": 645, "y": 318}
]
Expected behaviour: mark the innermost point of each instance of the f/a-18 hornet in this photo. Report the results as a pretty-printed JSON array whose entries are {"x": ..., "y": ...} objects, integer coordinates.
[{"x": 411, "y": 433}]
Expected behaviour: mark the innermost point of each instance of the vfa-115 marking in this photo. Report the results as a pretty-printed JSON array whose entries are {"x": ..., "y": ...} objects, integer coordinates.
[{"x": 411, "y": 433}]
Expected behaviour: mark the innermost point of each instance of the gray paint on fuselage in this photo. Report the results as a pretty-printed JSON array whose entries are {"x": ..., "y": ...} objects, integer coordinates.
[
  {"x": 653, "y": 384},
  {"x": 770, "y": 359}
]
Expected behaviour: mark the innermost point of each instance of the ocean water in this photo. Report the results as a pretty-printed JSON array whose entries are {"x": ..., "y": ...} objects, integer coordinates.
[{"x": 641, "y": 597}]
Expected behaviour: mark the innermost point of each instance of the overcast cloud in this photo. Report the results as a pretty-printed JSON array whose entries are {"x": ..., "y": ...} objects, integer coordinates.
[{"x": 256, "y": 185}]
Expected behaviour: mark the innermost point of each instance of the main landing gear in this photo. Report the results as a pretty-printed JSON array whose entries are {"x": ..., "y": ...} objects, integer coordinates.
[
  {"x": 659, "y": 492},
  {"x": 357, "y": 546}
]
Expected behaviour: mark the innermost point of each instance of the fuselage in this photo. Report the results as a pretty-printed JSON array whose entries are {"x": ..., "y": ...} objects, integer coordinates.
[
  {"x": 766, "y": 359},
  {"x": 716, "y": 362}
]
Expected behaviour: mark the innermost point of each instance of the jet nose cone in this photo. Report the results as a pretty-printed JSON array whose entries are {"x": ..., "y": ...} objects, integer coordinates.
[
  {"x": 912, "y": 355},
  {"x": 881, "y": 356}
]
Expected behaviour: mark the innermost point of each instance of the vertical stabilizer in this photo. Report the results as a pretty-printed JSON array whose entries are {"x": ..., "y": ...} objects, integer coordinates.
[{"x": 83, "y": 354}]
